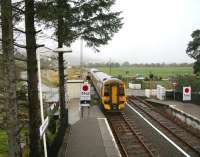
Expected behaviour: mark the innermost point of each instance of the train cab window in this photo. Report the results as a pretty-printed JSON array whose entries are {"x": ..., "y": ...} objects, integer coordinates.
[
  {"x": 106, "y": 90},
  {"x": 121, "y": 90}
]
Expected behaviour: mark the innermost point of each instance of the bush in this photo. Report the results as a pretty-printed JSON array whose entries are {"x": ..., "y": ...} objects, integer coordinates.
[
  {"x": 196, "y": 68},
  {"x": 192, "y": 81}
]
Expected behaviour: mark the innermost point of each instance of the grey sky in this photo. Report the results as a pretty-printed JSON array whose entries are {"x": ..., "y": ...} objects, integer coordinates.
[{"x": 153, "y": 31}]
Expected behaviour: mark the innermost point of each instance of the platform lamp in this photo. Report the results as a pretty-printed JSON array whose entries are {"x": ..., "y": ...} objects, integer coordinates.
[{"x": 60, "y": 52}]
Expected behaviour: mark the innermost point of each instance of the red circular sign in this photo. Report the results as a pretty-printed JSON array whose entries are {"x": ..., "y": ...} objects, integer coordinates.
[
  {"x": 187, "y": 90},
  {"x": 85, "y": 87}
]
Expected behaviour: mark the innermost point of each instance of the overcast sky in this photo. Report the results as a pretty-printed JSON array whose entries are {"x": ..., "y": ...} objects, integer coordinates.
[{"x": 153, "y": 31}]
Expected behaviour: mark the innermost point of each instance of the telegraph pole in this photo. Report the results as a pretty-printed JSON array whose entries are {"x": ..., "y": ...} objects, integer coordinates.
[
  {"x": 81, "y": 58},
  {"x": 110, "y": 66}
]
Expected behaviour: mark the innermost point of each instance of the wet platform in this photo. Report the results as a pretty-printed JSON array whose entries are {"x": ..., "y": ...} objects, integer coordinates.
[
  {"x": 189, "y": 108},
  {"x": 90, "y": 134},
  {"x": 185, "y": 111}
]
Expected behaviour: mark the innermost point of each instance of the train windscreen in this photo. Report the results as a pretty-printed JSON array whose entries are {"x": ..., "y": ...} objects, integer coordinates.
[
  {"x": 106, "y": 90},
  {"x": 121, "y": 90}
]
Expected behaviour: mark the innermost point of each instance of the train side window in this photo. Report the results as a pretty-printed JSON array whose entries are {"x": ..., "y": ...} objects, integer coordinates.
[{"x": 106, "y": 90}]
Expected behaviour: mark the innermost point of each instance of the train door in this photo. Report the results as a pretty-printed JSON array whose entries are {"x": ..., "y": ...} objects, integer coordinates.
[{"x": 114, "y": 94}]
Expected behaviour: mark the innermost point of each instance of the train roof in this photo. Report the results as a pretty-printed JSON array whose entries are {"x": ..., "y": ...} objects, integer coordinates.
[
  {"x": 101, "y": 76},
  {"x": 93, "y": 70}
]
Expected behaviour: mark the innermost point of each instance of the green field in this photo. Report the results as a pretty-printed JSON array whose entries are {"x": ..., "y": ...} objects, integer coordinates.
[{"x": 163, "y": 72}]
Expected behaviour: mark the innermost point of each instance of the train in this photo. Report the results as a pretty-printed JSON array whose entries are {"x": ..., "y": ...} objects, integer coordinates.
[{"x": 110, "y": 90}]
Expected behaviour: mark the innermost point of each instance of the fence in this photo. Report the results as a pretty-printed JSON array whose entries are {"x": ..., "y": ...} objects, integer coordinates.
[{"x": 195, "y": 96}]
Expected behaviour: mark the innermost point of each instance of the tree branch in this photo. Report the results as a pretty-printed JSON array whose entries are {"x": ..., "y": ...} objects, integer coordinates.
[
  {"x": 38, "y": 31},
  {"x": 38, "y": 46},
  {"x": 17, "y": 3},
  {"x": 18, "y": 9},
  {"x": 19, "y": 45},
  {"x": 18, "y": 30}
]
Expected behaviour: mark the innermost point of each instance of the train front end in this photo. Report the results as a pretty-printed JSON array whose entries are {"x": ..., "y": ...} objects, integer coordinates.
[{"x": 113, "y": 95}]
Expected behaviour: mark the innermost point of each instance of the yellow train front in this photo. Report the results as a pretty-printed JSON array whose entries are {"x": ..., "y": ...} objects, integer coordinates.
[{"x": 110, "y": 90}]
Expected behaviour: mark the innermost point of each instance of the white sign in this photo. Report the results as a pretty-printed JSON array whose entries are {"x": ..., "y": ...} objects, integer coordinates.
[
  {"x": 161, "y": 92},
  {"x": 85, "y": 92},
  {"x": 85, "y": 105},
  {"x": 187, "y": 93},
  {"x": 134, "y": 86},
  {"x": 44, "y": 126}
]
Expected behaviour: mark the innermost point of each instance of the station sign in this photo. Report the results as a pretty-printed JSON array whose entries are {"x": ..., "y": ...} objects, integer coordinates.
[
  {"x": 187, "y": 93},
  {"x": 85, "y": 92},
  {"x": 85, "y": 95},
  {"x": 44, "y": 126}
]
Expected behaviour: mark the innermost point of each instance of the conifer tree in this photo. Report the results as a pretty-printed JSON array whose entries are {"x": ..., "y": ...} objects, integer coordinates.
[
  {"x": 92, "y": 20},
  {"x": 9, "y": 76},
  {"x": 32, "y": 71}
]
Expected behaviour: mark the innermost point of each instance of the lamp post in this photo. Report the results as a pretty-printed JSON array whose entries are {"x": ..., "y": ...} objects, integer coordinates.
[
  {"x": 60, "y": 52},
  {"x": 41, "y": 102}
]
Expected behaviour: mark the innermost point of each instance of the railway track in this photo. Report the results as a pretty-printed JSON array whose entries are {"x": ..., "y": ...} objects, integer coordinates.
[
  {"x": 128, "y": 137},
  {"x": 186, "y": 140}
]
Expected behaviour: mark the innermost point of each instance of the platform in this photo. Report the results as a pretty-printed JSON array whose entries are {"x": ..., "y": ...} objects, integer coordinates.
[
  {"x": 189, "y": 108},
  {"x": 90, "y": 134},
  {"x": 187, "y": 112}
]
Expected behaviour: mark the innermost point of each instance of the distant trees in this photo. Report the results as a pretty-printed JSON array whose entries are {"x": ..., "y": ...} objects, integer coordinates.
[
  {"x": 127, "y": 64},
  {"x": 193, "y": 50}
]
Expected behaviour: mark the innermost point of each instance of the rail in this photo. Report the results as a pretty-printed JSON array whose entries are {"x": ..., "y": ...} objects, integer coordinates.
[{"x": 128, "y": 138}]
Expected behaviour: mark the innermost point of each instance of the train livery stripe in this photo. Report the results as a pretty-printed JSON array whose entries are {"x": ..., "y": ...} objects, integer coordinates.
[
  {"x": 161, "y": 133},
  {"x": 114, "y": 94}
]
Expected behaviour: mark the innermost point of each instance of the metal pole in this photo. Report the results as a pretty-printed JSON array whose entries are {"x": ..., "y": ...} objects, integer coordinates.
[
  {"x": 41, "y": 102},
  {"x": 110, "y": 65},
  {"x": 81, "y": 58},
  {"x": 174, "y": 93}
]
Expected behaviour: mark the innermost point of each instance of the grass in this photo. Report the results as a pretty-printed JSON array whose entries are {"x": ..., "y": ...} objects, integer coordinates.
[
  {"x": 50, "y": 77},
  {"x": 3, "y": 144},
  {"x": 163, "y": 72}
]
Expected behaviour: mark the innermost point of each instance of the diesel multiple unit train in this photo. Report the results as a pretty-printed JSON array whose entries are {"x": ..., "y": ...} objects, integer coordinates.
[{"x": 110, "y": 90}]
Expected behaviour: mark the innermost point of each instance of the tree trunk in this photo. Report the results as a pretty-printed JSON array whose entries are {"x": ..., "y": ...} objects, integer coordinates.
[
  {"x": 63, "y": 109},
  {"x": 34, "y": 106},
  {"x": 9, "y": 80}
]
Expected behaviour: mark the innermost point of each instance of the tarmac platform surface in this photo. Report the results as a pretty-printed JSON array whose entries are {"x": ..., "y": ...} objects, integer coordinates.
[
  {"x": 188, "y": 108},
  {"x": 90, "y": 134}
]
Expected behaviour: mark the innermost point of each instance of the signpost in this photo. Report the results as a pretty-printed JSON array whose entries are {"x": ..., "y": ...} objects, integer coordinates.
[
  {"x": 187, "y": 93},
  {"x": 44, "y": 126},
  {"x": 85, "y": 97},
  {"x": 41, "y": 103},
  {"x": 85, "y": 94}
]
